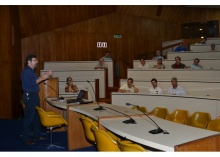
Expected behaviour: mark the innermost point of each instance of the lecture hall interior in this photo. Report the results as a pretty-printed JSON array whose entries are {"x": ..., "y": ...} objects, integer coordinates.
[{"x": 73, "y": 40}]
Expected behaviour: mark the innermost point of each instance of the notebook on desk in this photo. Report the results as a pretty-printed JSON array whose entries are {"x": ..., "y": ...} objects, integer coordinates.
[{"x": 79, "y": 99}]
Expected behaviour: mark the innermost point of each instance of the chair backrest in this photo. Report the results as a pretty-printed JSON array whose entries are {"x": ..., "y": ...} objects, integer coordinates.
[
  {"x": 198, "y": 119},
  {"x": 104, "y": 142},
  {"x": 159, "y": 112},
  {"x": 48, "y": 120},
  {"x": 142, "y": 108},
  {"x": 126, "y": 146},
  {"x": 22, "y": 104},
  {"x": 178, "y": 116},
  {"x": 87, "y": 123},
  {"x": 214, "y": 125}
]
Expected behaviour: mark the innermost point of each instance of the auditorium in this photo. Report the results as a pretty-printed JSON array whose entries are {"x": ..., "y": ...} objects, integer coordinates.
[{"x": 110, "y": 78}]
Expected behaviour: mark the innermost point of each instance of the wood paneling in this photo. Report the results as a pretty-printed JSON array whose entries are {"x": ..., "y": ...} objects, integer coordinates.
[
  {"x": 78, "y": 41},
  {"x": 10, "y": 62},
  {"x": 36, "y": 19}
]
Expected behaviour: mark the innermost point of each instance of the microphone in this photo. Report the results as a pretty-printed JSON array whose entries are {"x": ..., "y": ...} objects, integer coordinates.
[
  {"x": 129, "y": 121},
  {"x": 155, "y": 131},
  {"x": 100, "y": 107},
  {"x": 60, "y": 98}
]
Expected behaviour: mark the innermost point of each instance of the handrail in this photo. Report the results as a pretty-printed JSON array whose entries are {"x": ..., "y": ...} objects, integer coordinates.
[{"x": 146, "y": 54}]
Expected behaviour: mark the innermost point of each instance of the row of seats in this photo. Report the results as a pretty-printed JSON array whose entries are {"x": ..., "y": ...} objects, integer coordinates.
[
  {"x": 106, "y": 140},
  {"x": 197, "y": 119}
]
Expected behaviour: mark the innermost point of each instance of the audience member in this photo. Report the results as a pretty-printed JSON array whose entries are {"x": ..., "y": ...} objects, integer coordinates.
[
  {"x": 158, "y": 55},
  {"x": 213, "y": 47},
  {"x": 175, "y": 89},
  {"x": 107, "y": 56},
  {"x": 143, "y": 64},
  {"x": 180, "y": 48},
  {"x": 129, "y": 87},
  {"x": 159, "y": 64},
  {"x": 203, "y": 41},
  {"x": 155, "y": 89},
  {"x": 101, "y": 64},
  {"x": 178, "y": 64},
  {"x": 196, "y": 64},
  {"x": 70, "y": 86}
]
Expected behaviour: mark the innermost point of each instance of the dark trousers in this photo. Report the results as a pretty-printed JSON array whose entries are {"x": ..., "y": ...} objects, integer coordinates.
[{"x": 31, "y": 121}]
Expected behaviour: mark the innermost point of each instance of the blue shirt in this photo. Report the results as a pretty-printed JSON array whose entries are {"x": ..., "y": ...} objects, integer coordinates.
[
  {"x": 157, "y": 57},
  {"x": 28, "y": 78},
  {"x": 179, "y": 49},
  {"x": 178, "y": 91},
  {"x": 107, "y": 58}
]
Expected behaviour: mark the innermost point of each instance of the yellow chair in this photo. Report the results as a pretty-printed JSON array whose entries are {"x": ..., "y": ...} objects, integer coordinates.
[
  {"x": 22, "y": 104},
  {"x": 198, "y": 119},
  {"x": 214, "y": 125},
  {"x": 87, "y": 123},
  {"x": 159, "y": 112},
  {"x": 51, "y": 121},
  {"x": 104, "y": 141},
  {"x": 126, "y": 146},
  {"x": 178, "y": 116},
  {"x": 141, "y": 108}
]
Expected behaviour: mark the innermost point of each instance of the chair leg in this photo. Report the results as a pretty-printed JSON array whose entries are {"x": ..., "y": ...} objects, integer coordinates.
[{"x": 52, "y": 146}]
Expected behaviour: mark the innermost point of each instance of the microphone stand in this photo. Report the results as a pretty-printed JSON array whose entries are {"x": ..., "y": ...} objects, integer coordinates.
[
  {"x": 60, "y": 98},
  {"x": 129, "y": 121},
  {"x": 100, "y": 107},
  {"x": 155, "y": 131}
]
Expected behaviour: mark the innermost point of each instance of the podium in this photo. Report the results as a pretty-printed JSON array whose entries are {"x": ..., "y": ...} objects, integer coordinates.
[{"x": 49, "y": 89}]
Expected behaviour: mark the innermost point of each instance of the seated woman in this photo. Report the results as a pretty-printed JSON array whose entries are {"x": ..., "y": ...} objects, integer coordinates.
[
  {"x": 159, "y": 64},
  {"x": 70, "y": 86}
]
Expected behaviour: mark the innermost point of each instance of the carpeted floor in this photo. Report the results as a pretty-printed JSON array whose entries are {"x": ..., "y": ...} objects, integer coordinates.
[{"x": 11, "y": 139}]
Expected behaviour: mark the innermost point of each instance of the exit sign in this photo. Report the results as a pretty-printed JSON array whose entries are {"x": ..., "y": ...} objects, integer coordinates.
[{"x": 117, "y": 36}]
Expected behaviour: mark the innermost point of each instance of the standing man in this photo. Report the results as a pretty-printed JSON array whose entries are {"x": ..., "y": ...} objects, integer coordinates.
[
  {"x": 107, "y": 56},
  {"x": 155, "y": 89},
  {"x": 30, "y": 87},
  {"x": 129, "y": 87},
  {"x": 175, "y": 89}
]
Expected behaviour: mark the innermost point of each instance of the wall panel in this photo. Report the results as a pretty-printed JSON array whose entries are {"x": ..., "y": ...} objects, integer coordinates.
[{"x": 78, "y": 41}]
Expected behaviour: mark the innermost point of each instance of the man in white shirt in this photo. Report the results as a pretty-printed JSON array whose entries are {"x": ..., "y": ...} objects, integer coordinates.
[
  {"x": 175, "y": 89},
  {"x": 155, "y": 89},
  {"x": 129, "y": 87},
  {"x": 143, "y": 65}
]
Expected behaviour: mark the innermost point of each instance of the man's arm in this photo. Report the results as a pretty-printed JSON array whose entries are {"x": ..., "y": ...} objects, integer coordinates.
[{"x": 44, "y": 76}]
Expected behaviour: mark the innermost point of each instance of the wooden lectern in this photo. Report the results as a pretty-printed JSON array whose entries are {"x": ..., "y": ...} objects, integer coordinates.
[{"x": 48, "y": 89}]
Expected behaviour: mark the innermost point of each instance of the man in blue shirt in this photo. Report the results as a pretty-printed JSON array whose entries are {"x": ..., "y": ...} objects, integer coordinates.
[
  {"x": 107, "y": 56},
  {"x": 180, "y": 48},
  {"x": 30, "y": 87}
]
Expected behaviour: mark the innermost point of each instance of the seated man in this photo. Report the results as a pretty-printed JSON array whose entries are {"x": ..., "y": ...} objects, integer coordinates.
[
  {"x": 178, "y": 64},
  {"x": 159, "y": 64},
  {"x": 70, "y": 86},
  {"x": 196, "y": 64},
  {"x": 107, "y": 56},
  {"x": 203, "y": 41},
  {"x": 158, "y": 55},
  {"x": 175, "y": 89},
  {"x": 155, "y": 89},
  {"x": 129, "y": 87},
  {"x": 143, "y": 64},
  {"x": 213, "y": 47},
  {"x": 180, "y": 48},
  {"x": 101, "y": 64}
]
